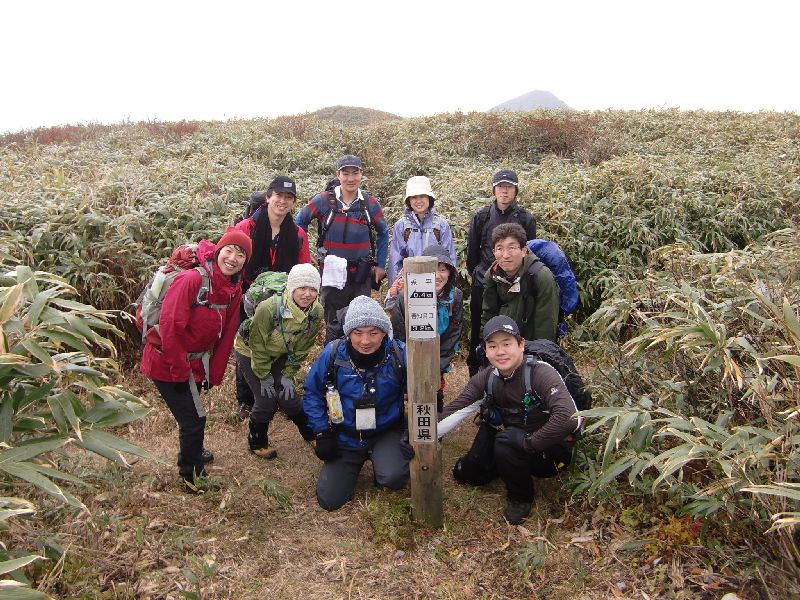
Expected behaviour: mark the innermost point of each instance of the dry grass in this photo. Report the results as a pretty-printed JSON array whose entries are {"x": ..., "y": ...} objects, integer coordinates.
[{"x": 145, "y": 538}]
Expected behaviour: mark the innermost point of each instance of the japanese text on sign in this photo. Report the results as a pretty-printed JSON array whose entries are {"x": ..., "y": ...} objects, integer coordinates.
[
  {"x": 421, "y": 306},
  {"x": 424, "y": 423}
]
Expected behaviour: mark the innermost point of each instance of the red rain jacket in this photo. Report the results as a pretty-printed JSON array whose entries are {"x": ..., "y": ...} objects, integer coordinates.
[{"x": 186, "y": 329}]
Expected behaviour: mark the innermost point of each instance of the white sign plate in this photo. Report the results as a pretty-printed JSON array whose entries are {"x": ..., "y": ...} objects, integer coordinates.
[
  {"x": 421, "y": 306},
  {"x": 424, "y": 423}
]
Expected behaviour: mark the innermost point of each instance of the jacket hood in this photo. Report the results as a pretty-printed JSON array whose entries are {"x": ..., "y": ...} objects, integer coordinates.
[
  {"x": 443, "y": 256},
  {"x": 440, "y": 253}
]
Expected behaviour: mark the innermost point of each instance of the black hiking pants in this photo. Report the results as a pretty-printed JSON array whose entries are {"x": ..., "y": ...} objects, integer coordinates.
[
  {"x": 191, "y": 426},
  {"x": 244, "y": 395},
  {"x": 516, "y": 467},
  {"x": 475, "y": 310}
]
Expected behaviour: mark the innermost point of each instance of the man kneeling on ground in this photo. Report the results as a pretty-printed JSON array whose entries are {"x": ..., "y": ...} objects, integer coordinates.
[
  {"x": 528, "y": 419},
  {"x": 354, "y": 401}
]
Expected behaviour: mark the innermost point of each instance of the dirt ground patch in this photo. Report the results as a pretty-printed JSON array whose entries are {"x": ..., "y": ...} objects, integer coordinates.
[{"x": 263, "y": 534}]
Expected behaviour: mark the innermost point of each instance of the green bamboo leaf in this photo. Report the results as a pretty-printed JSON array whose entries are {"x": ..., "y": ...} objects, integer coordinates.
[
  {"x": 25, "y": 471},
  {"x": 26, "y": 451},
  {"x": 38, "y": 304},
  {"x": 791, "y": 321},
  {"x": 12, "y": 565},
  {"x": 57, "y": 334},
  {"x": 10, "y": 298},
  {"x": 14, "y": 590},
  {"x": 8, "y": 513},
  {"x": 37, "y": 351},
  {"x": 784, "y": 490},
  {"x": 792, "y": 359},
  {"x": 115, "y": 444},
  {"x": 79, "y": 325}
]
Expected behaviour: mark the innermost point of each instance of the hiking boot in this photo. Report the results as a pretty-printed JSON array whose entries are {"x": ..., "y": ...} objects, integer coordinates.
[
  {"x": 266, "y": 452},
  {"x": 207, "y": 457},
  {"x": 243, "y": 412},
  {"x": 516, "y": 511},
  {"x": 258, "y": 441}
]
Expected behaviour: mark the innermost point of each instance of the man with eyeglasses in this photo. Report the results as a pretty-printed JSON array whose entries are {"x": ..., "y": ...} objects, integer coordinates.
[
  {"x": 504, "y": 209},
  {"x": 520, "y": 286}
]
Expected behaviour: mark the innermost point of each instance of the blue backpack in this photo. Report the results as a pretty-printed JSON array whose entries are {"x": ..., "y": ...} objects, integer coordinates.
[{"x": 554, "y": 259}]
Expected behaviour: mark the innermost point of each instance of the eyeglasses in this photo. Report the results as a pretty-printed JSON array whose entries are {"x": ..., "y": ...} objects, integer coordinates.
[{"x": 507, "y": 249}]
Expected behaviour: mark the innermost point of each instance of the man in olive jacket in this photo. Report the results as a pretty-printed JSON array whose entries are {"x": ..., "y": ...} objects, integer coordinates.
[{"x": 520, "y": 286}]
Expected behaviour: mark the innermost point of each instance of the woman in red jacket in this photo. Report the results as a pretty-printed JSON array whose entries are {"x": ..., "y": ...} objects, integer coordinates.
[{"x": 196, "y": 342}]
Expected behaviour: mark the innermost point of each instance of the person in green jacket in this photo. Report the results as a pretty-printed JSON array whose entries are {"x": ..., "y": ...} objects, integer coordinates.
[
  {"x": 520, "y": 286},
  {"x": 282, "y": 334}
]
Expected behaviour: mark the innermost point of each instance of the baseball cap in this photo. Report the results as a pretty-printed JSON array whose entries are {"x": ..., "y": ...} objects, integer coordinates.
[
  {"x": 282, "y": 184},
  {"x": 500, "y": 323},
  {"x": 505, "y": 176},
  {"x": 349, "y": 160}
]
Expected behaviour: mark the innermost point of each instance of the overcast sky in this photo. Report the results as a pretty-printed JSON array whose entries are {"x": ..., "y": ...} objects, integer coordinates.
[{"x": 80, "y": 61}]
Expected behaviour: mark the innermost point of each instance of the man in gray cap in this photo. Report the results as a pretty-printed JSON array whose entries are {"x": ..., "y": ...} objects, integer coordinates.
[
  {"x": 529, "y": 423},
  {"x": 504, "y": 209},
  {"x": 354, "y": 401},
  {"x": 350, "y": 226}
]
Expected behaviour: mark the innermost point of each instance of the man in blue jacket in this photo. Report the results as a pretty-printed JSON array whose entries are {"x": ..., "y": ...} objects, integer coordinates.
[
  {"x": 350, "y": 226},
  {"x": 366, "y": 369}
]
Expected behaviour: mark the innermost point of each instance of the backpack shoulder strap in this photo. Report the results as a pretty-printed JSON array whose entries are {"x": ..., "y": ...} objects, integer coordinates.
[
  {"x": 325, "y": 227},
  {"x": 276, "y": 316},
  {"x": 397, "y": 361},
  {"x": 330, "y": 374}
]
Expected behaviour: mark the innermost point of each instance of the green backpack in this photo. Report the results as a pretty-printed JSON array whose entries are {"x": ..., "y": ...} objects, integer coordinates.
[{"x": 266, "y": 285}]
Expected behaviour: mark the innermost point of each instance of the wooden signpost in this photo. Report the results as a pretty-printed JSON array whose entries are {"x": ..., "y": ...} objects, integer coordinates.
[{"x": 422, "y": 346}]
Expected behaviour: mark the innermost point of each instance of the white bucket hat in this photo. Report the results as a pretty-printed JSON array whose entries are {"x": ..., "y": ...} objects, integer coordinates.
[{"x": 419, "y": 185}]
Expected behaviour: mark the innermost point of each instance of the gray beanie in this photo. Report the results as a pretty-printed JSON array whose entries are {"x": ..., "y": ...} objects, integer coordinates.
[
  {"x": 303, "y": 275},
  {"x": 365, "y": 312}
]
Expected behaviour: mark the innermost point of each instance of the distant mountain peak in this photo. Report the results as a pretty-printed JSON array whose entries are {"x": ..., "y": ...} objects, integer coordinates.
[
  {"x": 531, "y": 101},
  {"x": 353, "y": 115}
]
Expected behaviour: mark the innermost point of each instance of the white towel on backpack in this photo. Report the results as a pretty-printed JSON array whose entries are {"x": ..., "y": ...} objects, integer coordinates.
[{"x": 335, "y": 272}]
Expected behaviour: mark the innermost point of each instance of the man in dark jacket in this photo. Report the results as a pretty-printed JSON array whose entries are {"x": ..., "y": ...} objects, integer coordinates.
[
  {"x": 504, "y": 209},
  {"x": 519, "y": 285},
  {"x": 529, "y": 419}
]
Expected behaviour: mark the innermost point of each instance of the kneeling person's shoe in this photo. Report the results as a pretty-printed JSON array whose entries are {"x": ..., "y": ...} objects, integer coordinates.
[
  {"x": 516, "y": 511},
  {"x": 266, "y": 452}
]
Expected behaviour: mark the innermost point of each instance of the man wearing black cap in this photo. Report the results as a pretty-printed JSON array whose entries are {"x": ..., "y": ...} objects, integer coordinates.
[
  {"x": 350, "y": 227},
  {"x": 528, "y": 424},
  {"x": 278, "y": 245},
  {"x": 504, "y": 209}
]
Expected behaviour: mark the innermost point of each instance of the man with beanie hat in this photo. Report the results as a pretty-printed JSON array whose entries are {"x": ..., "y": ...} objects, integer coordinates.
[
  {"x": 283, "y": 331},
  {"x": 419, "y": 227},
  {"x": 354, "y": 401},
  {"x": 278, "y": 245},
  {"x": 350, "y": 226},
  {"x": 503, "y": 209}
]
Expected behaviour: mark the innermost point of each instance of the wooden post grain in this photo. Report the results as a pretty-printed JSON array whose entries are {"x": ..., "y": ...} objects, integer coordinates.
[{"x": 423, "y": 382}]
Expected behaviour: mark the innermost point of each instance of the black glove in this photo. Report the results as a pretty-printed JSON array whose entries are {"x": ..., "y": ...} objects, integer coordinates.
[
  {"x": 326, "y": 448},
  {"x": 181, "y": 386},
  {"x": 513, "y": 436},
  {"x": 406, "y": 449}
]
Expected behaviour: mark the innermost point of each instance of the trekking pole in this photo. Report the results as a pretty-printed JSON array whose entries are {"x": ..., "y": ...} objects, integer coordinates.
[{"x": 422, "y": 358}]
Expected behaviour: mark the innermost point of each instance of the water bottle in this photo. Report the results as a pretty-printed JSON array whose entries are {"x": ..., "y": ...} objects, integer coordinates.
[{"x": 335, "y": 413}]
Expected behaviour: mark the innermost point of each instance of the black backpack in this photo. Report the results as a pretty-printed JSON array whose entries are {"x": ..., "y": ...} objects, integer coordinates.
[
  {"x": 256, "y": 201},
  {"x": 555, "y": 356}
]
